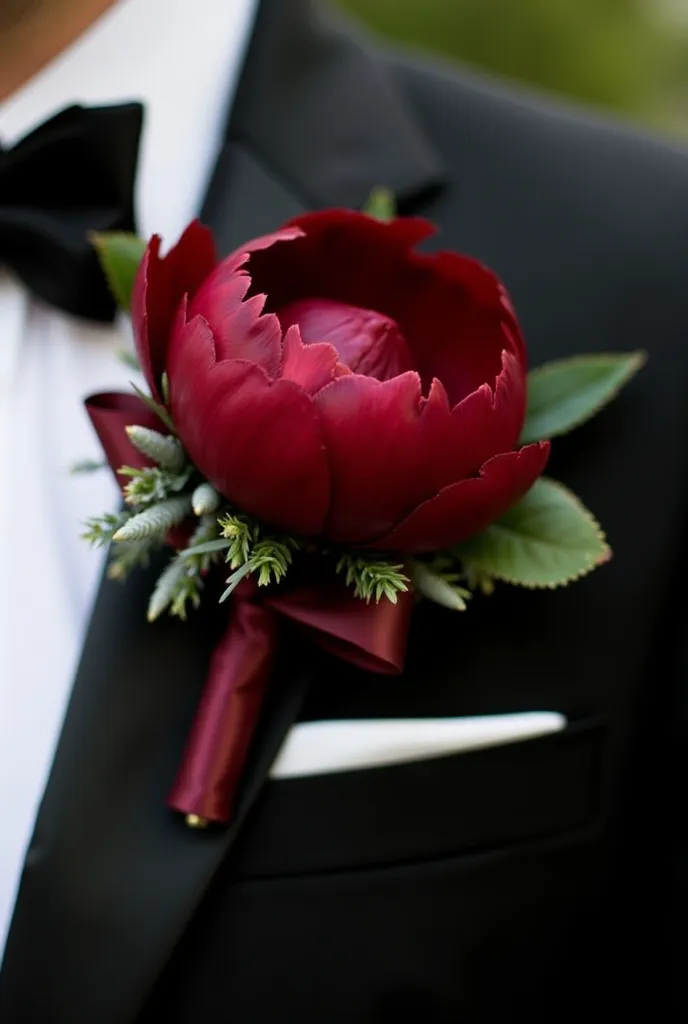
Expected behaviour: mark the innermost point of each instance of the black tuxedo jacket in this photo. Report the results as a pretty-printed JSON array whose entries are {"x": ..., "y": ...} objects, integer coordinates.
[{"x": 527, "y": 881}]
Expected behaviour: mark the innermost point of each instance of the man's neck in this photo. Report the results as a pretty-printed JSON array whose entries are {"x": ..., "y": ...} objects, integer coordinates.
[{"x": 33, "y": 32}]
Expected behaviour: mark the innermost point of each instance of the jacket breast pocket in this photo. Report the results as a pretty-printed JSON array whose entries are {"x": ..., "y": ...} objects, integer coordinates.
[{"x": 439, "y": 807}]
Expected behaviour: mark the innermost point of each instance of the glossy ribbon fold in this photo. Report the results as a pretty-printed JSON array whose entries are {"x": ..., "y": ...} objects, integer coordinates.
[{"x": 369, "y": 636}]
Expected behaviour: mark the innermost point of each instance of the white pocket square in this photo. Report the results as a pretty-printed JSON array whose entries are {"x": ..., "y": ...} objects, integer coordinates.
[{"x": 316, "y": 748}]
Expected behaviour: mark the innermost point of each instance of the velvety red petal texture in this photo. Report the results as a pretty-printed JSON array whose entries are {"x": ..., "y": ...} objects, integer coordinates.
[
  {"x": 467, "y": 507},
  {"x": 341, "y": 255},
  {"x": 258, "y": 441},
  {"x": 371, "y": 429},
  {"x": 390, "y": 449},
  {"x": 367, "y": 342},
  {"x": 111, "y": 413},
  {"x": 240, "y": 329},
  {"x": 160, "y": 284},
  {"x": 312, "y": 367},
  {"x": 451, "y": 310},
  {"x": 454, "y": 316},
  {"x": 485, "y": 423}
]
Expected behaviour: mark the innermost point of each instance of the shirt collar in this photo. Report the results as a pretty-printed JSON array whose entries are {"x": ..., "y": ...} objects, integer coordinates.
[{"x": 182, "y": 60}]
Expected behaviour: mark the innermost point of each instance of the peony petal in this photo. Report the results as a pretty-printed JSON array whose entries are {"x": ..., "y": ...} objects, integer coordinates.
[
  {"x": 376, "y": 452},
  {"x": 390, "y": 449},
  {"x": 451, "y": 310},
  {"x": 486, "y": 423},
  {"x": 457, "y": 320},
  {"x": 312, "y": 367},
  {"x": 111, "y": 413},
  {"x": 342, "y": 255},
  {"x": 367, "y": 342},
  {"x": 158, "y": 288},
  {"x": 258, "y": 441},
  {"x": 246, "y": 334},
  {"x": 240, "y": 328},
  {"x": 465, "y": 508}
]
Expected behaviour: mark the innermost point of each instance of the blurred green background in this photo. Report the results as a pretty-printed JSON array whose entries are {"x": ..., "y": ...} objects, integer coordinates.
[{"x": 627, "y": 56}]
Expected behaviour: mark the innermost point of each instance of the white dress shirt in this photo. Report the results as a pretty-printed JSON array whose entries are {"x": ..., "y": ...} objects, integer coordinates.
[{"x": 182, "y": 59}]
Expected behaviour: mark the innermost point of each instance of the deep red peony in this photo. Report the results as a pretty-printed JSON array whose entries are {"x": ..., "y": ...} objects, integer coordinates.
[{"x": 330, "y": 380}]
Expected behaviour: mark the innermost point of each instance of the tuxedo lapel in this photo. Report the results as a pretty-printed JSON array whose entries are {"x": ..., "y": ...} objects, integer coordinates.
[
  {"x": 112, "y": 877},
  {"x": 317, "y": 121}
]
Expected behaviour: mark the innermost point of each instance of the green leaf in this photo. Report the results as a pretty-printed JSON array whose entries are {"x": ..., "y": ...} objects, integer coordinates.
[
  {"x": 548, "y": 539},
  {"x": 381, "y": 204},
  {"x": 564, "y": 394},
  {"x": 120, "y": 253}
]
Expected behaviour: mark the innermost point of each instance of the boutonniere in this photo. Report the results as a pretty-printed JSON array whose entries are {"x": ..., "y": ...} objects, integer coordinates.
[{"x": 335, "y": 426}]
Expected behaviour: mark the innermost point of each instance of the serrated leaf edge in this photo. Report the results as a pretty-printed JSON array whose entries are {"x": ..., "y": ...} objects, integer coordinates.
[
  {"x": 636, "y": 360},
  {"x": 601, "y": 537}
]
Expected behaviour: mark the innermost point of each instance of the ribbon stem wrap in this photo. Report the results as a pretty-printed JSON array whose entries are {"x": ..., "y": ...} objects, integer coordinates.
[{"x": 226, "y": 719}]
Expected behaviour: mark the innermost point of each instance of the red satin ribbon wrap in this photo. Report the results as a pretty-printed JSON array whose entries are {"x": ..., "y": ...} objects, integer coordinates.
[
  {"x": 228, "y": 713},
  {"x": 370, "y": 636}
]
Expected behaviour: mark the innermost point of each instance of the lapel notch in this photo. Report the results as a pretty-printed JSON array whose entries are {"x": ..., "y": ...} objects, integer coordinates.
[{"x": 318, "y": 120}]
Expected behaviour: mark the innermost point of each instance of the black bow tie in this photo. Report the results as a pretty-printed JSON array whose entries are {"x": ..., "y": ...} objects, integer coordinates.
[{"x": 71, "y": 176}]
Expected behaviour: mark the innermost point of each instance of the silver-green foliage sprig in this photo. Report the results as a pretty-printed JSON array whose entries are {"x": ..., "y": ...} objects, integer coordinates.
[
  {"x": 125, "y": 556},
  {"x": 164, "y": 450},
  {"x": 248, "y": 552},
  {"x": 170, "y": 475},
  {"x": 145, "y": 486},
  {"x": 439, "y": 580},
  {"x": 100, "y": 530},
  {"x": 156, "y": 520},
  {"x": 129, "y": 555},
  {"x": 150, "y": 484},
  {"x": 181, "y": 582},
  {"x": 157, "y": 500},
  {"x": 271, "y": 558},
  {"x": 242, "y": 534},
  {"x": 205, "y": 499},
  {"x": 371, "y": 577},
  {"x": 176, "y": 586}
]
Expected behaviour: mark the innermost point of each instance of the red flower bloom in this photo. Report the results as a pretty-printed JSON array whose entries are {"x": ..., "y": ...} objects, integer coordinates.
[{"x": 330, "y": 380}]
